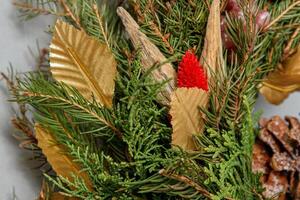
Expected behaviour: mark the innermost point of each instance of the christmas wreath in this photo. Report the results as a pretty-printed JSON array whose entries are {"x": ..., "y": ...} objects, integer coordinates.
[{"x": 153, "y": 99}]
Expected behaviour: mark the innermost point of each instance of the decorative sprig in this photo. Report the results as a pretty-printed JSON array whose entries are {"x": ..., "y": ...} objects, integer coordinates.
[{"x": 126, "y": 150}]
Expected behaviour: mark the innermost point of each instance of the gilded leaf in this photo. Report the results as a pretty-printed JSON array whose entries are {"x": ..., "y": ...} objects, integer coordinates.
[
  {"x": 83, "y": 62},
  {"x": 57, "y": 156},
  {"x": 211, "y": 57},
  {"x": 150, "y": 56},
  {"x": 286, "y": 79},
  {"x": 59, "y": 196},
  {"x": 186, "y": 116}
]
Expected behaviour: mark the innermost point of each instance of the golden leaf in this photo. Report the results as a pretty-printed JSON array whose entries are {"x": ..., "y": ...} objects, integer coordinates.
[
  {"x": 280, "y": 83},
  {"x": 211, "y": 57},
  {"x": 58, "y": 158},
  {"x": 58, "y": 196},
  {"x": 186, "y": 116},
  {"x": 150, "y": 56},
  {"x": 83, "y": 62}
]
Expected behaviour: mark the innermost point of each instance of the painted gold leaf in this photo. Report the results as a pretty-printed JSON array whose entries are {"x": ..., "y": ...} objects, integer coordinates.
[
  {"x": 150, "y": 56},
  {"x": 286, "y": 79},
  {"x": 83, "y": 62},
  {"x": 186, "y": 116},
  {"x": 58, "y": 196},
  {"x": 58, "y": 158}
]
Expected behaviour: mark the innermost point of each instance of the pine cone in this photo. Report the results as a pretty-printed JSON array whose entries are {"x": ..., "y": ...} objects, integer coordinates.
[{"x": 276, "y": 155}]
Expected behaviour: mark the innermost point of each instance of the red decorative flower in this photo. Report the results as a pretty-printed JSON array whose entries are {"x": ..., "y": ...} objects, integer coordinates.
[{"x": 191, "y": 73}]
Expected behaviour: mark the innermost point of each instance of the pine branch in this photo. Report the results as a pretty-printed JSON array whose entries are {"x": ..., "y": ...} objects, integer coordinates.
[
  {"x": 282, "y": 14},
  {"x": 174, "y": 26}
]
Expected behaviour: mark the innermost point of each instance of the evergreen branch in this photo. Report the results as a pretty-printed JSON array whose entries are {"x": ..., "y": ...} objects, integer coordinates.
[
  {"x": 101, "y": 24},
  {"x": 174, "y": 27},
  {"x": 38, "y": 91},
  {"x": 158, "y": 33},
  {"x": 70, "y": 14},
  {"x": 282, "y": 14},
  {"x": 75, "y": 105},
  {"x": 187, "y": 181},
  {"x": 288, "y": 51}
]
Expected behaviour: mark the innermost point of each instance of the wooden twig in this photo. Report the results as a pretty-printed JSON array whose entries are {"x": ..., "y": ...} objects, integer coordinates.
[
  {"x": 70, "y": 13},
  {"x": 207, "y": 4},
  {"x": 187, "y": 181},
  {"x": 42, "y": 57},
  {"x": 137, "y": 10},
  {"x": 287, "y": 50},
  {"x": 150, "y": 56},
  {"x": 192, "y": 3}
]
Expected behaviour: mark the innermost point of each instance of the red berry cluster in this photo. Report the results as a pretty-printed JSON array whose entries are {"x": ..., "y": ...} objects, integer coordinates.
[
  {"x": 233, "y": 9},
  {"x": 191, "y": 73}
]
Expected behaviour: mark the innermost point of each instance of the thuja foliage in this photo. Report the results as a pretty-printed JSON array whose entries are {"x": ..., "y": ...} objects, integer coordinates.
[{"x": 126, "y": 150}]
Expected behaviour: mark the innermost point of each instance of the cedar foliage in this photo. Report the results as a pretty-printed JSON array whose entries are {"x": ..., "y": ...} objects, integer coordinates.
[{"x": 126, "y": 150}]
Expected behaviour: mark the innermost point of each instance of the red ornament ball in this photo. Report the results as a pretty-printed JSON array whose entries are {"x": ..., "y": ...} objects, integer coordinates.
[{"x": 191, "y": 73}]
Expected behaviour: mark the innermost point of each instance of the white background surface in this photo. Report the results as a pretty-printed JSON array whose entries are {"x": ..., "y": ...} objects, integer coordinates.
[{"x": 16, "y": 172}]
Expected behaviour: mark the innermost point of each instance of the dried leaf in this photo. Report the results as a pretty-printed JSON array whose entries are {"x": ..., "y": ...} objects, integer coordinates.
[
  {"x": 83, "y": 62},
  {"x": 59, "y": 196},
  {"x": 150, "y": 56},
  {"x": 186, "y": 116},
  {"x": 58, "y": 158},
  {"x": 286, "y": 79},
  {"x": 211, "y": 57}
]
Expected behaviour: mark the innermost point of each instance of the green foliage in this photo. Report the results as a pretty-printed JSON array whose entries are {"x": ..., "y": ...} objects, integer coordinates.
[
  {"x": 229, "y": 172},
  {"x": 126, "y": 150},
  {"x": 115, "y": 147},
  {"x": 174, "y": 27}
]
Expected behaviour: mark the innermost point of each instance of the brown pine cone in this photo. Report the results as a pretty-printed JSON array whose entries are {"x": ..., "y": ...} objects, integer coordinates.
[{"x": 276, "y": 155}]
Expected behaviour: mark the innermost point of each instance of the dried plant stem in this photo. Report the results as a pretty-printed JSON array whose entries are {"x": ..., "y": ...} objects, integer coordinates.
[
  {"x": 42, "y": 57},
  {"x": 29, "y": 7},
  {"x": 288, "y": 51},
  {"x": 153, "y": 26},
  {"x": 100, "y": 21},
  {"x": 187, "y": 181},
  {"x": 157, "y": 32},
  {"x": 70, "y": 13}
]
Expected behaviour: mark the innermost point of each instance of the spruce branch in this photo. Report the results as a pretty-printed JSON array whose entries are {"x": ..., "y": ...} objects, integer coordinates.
[
  {"x": 282, "y": 14},
  {"x": 64, "y": 97},
  {"x": 70, "y": 14},
  {"x": 173, "y": 26},
  {"x": 100, "y": 21}
]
